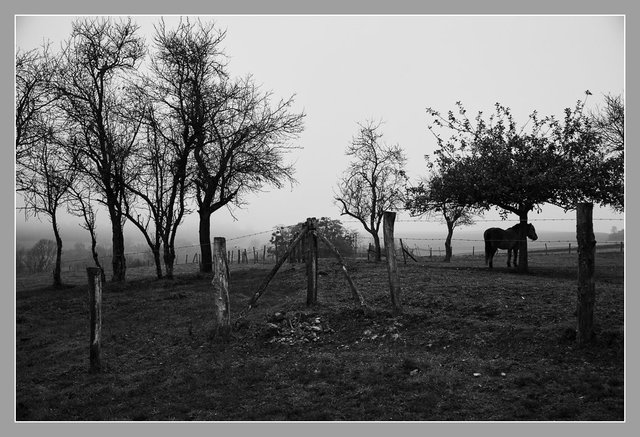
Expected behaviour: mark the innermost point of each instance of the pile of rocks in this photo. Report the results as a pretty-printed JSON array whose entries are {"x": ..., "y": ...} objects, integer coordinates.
[{"x": 295, "y": 328}]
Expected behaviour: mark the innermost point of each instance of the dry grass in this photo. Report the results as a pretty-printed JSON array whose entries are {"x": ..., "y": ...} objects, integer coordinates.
[{"x": 472, "y": 344}]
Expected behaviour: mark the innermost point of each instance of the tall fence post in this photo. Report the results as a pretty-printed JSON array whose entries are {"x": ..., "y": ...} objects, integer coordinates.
[
  {"x": 220, "y": 283},
  {"x": 312, "y": 263},
  {"x": 95, "y": 308},
  {"x": 392, "y": 266},
  {"x": 586, "y": 268}
]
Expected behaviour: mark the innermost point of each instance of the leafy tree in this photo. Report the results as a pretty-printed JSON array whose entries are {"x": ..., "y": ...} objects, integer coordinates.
[
  {"x": 431, "y": 197},
  {"x": 91, "y": 86},
  {"x": 333, "y": 230},
  {"x": 374, "y": 180},
  {"x": 494, "y": 163}
]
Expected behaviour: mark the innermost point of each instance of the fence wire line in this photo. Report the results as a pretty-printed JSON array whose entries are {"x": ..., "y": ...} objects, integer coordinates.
[
  {"x": 490, "y": 220},
  {"x": 275, "y": 229},
  {"x": 147, "y": 251}
]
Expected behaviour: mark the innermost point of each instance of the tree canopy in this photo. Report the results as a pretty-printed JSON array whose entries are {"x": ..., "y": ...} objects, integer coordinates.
[{"x": 493, "y": 162}]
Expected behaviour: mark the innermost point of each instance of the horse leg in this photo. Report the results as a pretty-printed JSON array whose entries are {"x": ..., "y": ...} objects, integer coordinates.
[
  {"x": 492, "y": 252},
  {"x": 508, "y": 257},
  {"x": 515, "y": 257}
]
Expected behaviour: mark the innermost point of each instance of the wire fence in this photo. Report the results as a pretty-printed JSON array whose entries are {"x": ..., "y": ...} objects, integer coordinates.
[{"x": 241, "y": 252}]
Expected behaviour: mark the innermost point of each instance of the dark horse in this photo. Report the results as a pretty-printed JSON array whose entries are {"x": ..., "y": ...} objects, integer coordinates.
[{"x": 496, "y": 238}]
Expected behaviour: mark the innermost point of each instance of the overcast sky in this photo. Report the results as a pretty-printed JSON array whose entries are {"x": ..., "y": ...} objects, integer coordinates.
[{"x": 349, "y": 69}]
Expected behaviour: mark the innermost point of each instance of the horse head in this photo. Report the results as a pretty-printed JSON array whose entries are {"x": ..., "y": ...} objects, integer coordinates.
[{"x": 531, "y": 232}]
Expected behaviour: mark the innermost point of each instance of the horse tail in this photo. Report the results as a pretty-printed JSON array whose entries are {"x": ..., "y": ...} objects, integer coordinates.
[{"x": 487, "y": 248}]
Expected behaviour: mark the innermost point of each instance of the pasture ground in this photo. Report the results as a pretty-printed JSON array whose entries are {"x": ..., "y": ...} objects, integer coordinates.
[{"x": 472, "y": 345}]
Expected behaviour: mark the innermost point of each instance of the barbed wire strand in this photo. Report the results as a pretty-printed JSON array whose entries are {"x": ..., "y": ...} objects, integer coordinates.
[{"x": 277, "y": 227}]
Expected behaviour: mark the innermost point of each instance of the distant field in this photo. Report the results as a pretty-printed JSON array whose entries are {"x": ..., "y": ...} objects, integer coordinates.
[{"x": 472, "y": 344}]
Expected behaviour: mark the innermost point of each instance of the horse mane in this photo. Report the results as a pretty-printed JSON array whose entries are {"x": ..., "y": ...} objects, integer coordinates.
[{"x": 516, "y": 226}]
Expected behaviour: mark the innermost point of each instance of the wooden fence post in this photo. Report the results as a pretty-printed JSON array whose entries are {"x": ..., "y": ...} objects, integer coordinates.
[
  {"x": 312, "y": 263},
  {"x": 392, "y": 266},
  {"x": 569, "y": 248},
  {"x": 95, "y": 307},
  {"x": 220, "y": 282},
  {"x": 264, "y": 253},
  {"x": 586, "y": 268}
]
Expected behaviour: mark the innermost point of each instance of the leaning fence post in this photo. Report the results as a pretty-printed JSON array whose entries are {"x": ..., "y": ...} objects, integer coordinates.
[
  {"x": 312, "y": 263},
  {"x": 404, "y": 255},
  {"x": 95, "y": 309},
  {"x": 270, "y": 276},
  {"x": 392, "y": 266}
]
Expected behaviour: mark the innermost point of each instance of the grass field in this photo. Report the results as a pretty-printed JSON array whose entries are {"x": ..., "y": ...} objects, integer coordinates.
[{"x": 472, "y": 344}]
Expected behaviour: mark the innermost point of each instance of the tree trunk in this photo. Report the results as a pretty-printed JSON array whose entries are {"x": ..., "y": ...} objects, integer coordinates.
[
  {"x": 118, "y": 260},
  {"x": 378, "y": 250},
  {"x": 586, "y": 269},
  {"x": 523, "y": 258},
  {"x": 447, "y": 244},
  {"x": 169, "y": 258},
  {"x": 156, "y": 260},
  {"x": 205, "y": 242},
  {"x": 57, "y": 278}
]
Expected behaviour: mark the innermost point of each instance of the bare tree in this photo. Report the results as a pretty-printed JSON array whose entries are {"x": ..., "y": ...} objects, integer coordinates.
[
  {"x": 33, "y": 96},
  {"x": 244, "y": 150},
  {"x": 609, "y": 123},
  {"x": 186, "y": 66},
  {"x": 95, "y": 63},
  {"x": 81, "y": 203},
  {"x": 47, "y": 173},
  {"x": 41, "y": 256},
  {"x": 374, "y": 180}
]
